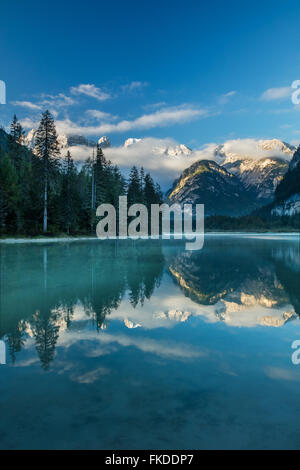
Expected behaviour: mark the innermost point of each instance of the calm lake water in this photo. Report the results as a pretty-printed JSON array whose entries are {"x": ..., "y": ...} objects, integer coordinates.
[{"x": 134, "y": 345}]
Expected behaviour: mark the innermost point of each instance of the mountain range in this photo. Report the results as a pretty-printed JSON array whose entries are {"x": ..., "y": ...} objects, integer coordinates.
[
  {"x": 71, "y": 140},
  {"x": 229, "y": 182},
  {"x": 234, "y": 184}
]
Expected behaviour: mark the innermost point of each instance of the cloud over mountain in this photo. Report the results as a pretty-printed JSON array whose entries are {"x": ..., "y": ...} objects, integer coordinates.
[{"x": 163, "y": 117}]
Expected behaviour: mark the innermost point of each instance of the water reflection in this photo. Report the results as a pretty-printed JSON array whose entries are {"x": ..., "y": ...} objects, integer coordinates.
[
  {"x": 247, "y": 283},
  {"x": 242, "y": 283},
  {"x": 41, "y": 286}
]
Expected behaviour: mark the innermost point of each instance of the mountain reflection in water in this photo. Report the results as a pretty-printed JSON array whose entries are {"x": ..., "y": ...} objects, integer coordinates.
[{"x": 50, "y": 289}]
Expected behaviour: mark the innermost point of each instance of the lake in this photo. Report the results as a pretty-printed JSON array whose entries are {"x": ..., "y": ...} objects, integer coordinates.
[{"x": 143, "y": 345}]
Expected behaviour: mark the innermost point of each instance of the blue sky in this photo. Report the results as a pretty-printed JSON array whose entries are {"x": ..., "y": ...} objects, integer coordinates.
[{"x": 196, "y": 72}]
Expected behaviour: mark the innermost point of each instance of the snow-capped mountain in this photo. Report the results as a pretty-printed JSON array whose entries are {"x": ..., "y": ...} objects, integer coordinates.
[
  {"x": 65, "y": 141},
  {"x": 256, "y": 168},
  {"x": 260, "y": 177},
  {"x": 249, "y": 150},
  {"x": 276, "y": 145},
  {"x": 206, "y": 182},
  {"x": 260, "y": 171},
  {"x": 161, "y": 149},
  {"x": 131, "y": 141},
  {"x": 104, "y": 142},
  {"x": 29, "y": 139},
  {"x": 176, "y": 151}
]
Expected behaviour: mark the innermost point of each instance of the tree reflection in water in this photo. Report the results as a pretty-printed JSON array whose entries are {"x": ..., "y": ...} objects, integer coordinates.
[
  {"x": 48, "y": 282},
  {"x": 95, "y": 275}
]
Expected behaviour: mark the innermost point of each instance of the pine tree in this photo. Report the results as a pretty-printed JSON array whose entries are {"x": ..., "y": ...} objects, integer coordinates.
[
  {"x": 142, "y": 179},
  {"x": 9, "y": 196},
  {"x": 150, "y": 192},
  {"x": 46, "y": 332},
  {"x": 16, "y": 131},
  {"x": 69, "y": 199},
  {"x": 35, "y": 188},
  {"x": 159, "y": 193},
  {"x": 152, "y": 195},
  {"x": 47, "y": 149},
  {"x": 15, "y": 142},
  {"x": 16, "y": 340},
  {"x": 84, "y": 195},
  {"x": 100, "y": 175},
  {"x": 118, "y": 186},
  {"x": 134, "y": 191}
]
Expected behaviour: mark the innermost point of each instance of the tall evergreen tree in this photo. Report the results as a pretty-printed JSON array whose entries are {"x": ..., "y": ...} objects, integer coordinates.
[
  {"x": 47, "y": 149},
  {"x": 69, "y": 199},
  {"x": 135, "y": 190},
  {"x": 16, "y": 131},
  {"x": 84, "y": 188},
  {"x": 37, "y": 192},
  {"x": 15, "y": 142},
  {"x": 151, "y": 193},
  {"x": 10, "y": 196},
  {"x": 100, "y": 175}
]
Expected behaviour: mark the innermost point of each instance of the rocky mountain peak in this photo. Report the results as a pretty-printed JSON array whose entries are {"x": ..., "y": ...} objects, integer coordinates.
[{"x": 104, "y": 142}]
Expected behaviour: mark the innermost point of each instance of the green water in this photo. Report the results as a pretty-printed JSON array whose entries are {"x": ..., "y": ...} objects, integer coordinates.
[{"x": 143, "y": 345}]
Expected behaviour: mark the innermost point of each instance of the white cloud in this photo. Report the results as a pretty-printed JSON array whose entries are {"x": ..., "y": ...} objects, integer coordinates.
[
  {"x": 152, "y": 106},
  {"x": 166, "y": 168},
  {"x": 170, "y": 349},
  {"x": 148, "y": 153},
  {"x": 57, "y": 101},
  {"x": 27, "y": 104},
  {"x": 245, "y": 148},
  {"x": 79, "y": 152},
  {"x": 135, "y": 85},
  {"x": 89, "y": 377},
  {"x": 161, "y": 118},
  {"x": 276, "y": 93},
  {"x": 100, "y": 115},
  {"x": 226, "y": 97},
  {"x": 52, "y": 102},
  {"x": 91, "y": 91},
  {"x": 28, "y": 123},
  {"x": 278, "y": 373}
]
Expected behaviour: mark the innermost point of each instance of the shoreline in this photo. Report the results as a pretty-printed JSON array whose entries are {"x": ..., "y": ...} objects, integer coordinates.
[{"x": 11, "y": 240}]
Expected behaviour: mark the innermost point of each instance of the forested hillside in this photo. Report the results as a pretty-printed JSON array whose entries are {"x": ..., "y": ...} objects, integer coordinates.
[{"x": 44, "y": 191}]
